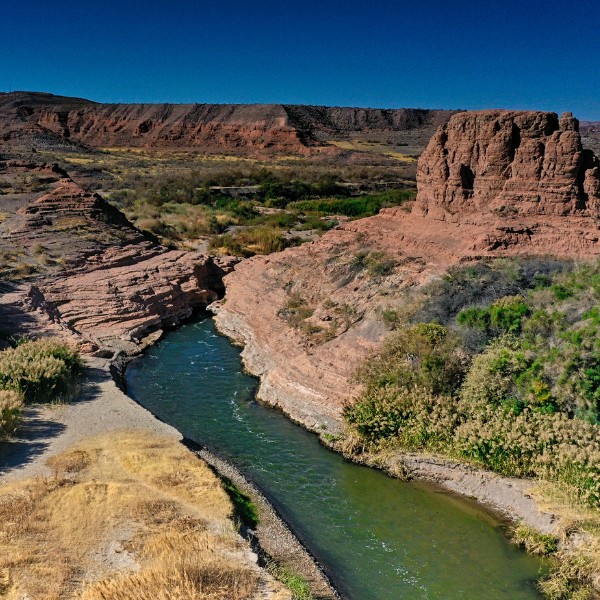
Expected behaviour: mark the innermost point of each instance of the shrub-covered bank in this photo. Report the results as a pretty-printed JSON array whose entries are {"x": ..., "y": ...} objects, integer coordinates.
[
  {"x": 34, "y": 371},
  {"x": 503, "y": 374}
]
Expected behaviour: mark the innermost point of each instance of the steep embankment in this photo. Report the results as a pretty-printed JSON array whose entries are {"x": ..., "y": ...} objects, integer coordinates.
[
  {"x": 33, "y": 119},
  {"x": 80, "y": 269}
]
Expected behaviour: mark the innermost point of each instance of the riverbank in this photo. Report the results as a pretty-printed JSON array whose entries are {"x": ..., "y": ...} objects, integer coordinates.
[
  {"x": 101, "y": 410},
  {"x": 510, "y": 498},
  {"x": 541, "y": 515},
  {"x": 273, "y": 538}
]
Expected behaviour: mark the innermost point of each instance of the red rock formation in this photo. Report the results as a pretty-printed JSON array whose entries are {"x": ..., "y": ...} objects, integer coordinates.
[
  {"x": 102, "y": 280},
  {"x": 493, "y": 183},
  {"x": 239, "y": 128},
  {"x": 511, "y": 163}
]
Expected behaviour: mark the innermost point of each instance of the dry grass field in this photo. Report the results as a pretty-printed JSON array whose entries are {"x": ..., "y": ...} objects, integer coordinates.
[{"x": 129, "y": 515}]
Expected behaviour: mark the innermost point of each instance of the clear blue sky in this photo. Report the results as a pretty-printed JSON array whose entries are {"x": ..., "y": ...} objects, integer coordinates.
[{"x": 437, "y": 54}]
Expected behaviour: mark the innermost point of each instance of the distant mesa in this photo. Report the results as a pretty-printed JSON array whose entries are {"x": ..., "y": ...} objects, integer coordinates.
[{"x": 46, "y": 120}]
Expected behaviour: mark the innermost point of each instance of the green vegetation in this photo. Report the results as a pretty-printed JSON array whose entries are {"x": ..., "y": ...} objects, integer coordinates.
[
  {"x": 245, "y": 509},
  {"x": 295, "y": 583},
  {"x": 510, "y": 381},
  {"x": 266, "y": 211},
  {"x": 527, "y": 403},
  {"x": 34, "y": 371},
  {"x": 361, "y": 206}
]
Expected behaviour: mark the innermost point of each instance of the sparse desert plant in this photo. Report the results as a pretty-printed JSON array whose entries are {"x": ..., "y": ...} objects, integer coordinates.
[{"x": 295, "y": 310}]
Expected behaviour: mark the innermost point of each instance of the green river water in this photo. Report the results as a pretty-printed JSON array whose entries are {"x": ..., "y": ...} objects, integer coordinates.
[{"x": 378, "y": 538}]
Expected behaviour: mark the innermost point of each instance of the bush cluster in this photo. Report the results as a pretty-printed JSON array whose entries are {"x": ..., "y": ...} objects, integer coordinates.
[
  {"x": 361, "y": 206},
  {"x": 11, "y": 404},
  {"x": 40, "y": 371},
  {"x": 527, "y": 403}
]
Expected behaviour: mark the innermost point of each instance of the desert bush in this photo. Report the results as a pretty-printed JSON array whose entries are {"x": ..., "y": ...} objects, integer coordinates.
[
  {"x": 505, "y": 315},
  {"x": 424, "y": 355},
  {"x": 529, "y": 403},
  {"x": 532, "y": 444},
  {"x": 11, "y": 403},
  {"x": 533, "y": 541},
  {"x": 572, "y": 575},
  {"x": 482, "y": 283},
  {"x": 41, "y": 370}
]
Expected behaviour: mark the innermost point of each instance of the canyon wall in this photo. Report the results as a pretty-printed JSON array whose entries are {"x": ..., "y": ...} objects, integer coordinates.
[{"x": 490, "y": 184}]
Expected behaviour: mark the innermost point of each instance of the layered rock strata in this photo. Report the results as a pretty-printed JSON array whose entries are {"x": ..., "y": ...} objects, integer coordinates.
[
  {"x": 45, "y": 120},
  {"x": 99, "y": 279}
]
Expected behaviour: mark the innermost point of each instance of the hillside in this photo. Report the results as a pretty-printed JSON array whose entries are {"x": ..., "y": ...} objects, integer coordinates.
[
  {"x": 30, "y": 119},
  {"x": 490, "y": 184}
]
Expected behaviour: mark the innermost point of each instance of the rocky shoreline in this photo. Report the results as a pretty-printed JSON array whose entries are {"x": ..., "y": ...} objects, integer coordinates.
[{"x": 273, "y": 539}]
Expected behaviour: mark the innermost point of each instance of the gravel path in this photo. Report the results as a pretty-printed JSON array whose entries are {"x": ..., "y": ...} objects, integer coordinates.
[{"x": 50, "y": 429}]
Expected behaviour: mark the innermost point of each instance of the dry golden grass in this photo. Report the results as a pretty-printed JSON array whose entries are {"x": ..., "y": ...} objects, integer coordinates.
[
  {"x": 576, "y": 574},
  {"x": 377, "y": 148},
  {"x": 162, "y": 508}
]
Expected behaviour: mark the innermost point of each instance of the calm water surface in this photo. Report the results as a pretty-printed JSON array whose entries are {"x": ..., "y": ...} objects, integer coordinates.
[{"x": 380, "y": 539}]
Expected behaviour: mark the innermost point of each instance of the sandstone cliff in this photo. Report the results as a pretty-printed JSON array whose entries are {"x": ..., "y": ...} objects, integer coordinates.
[
  {"x": 492, "y": 183},
  {"x": 45, "y": 120},
  {"x": 89, "y": 273}
]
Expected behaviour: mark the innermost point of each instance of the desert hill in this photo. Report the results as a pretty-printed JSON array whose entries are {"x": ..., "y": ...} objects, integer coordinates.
[
  {"x": 31, "y": 119},
  {"x": 490, "y": 184}
]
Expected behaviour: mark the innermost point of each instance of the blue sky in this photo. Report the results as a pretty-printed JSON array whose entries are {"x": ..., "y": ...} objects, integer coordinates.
[{"x": 454, "y": 54}]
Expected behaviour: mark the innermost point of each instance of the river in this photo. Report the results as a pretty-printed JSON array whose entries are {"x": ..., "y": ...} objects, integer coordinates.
[{"x": 378, "y": 538}]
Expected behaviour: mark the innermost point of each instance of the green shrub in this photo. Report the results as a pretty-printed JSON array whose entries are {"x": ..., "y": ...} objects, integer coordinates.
[
  {"x": 40, "y": 370},
  {"x": 244, "y": 507},
  {"x": 11, "y": 403},
  {"x": 507, "y": 314},
  {"x": 475, "y": 317},
  {"x": 424, "y": 355},
  {"x": 293, "y": 581}
]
